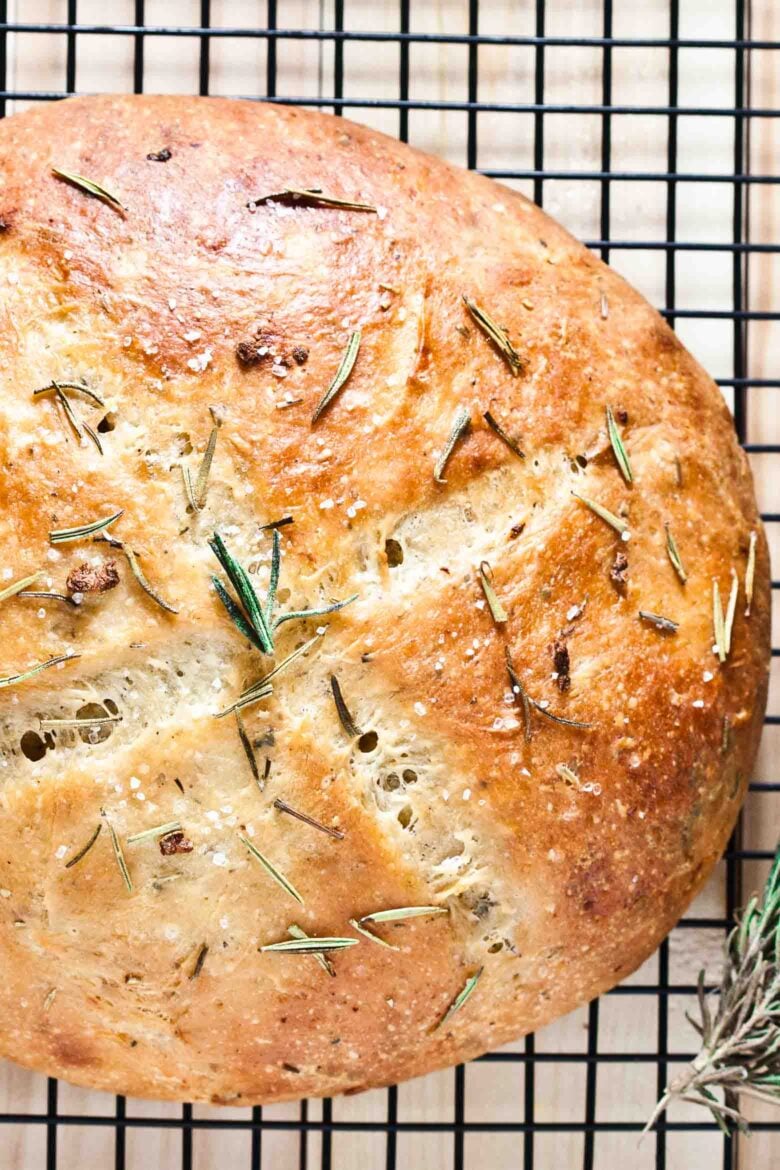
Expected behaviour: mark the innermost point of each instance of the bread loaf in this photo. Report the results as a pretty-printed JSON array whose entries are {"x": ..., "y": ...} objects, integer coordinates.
[{"x": 258, "y": 362}]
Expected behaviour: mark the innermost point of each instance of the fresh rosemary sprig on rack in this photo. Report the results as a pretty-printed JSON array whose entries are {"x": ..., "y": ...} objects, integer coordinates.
[{"x": 740, "y": 1035}]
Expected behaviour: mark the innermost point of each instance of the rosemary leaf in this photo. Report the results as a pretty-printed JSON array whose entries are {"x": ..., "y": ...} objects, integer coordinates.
[
  {"x": 157, "y": 831},
  {"x": 273, "y": 580},
  {"x": 342, "y": 373},
  {"x": 674, "y": 555},
  {"x": 53, "y": 724},
  {"x": 503, "y": 436},
  {"x": 621, "y": 455},
  {"x": 261, "y": 689},
  {"x": 137, "y": 572},
  {"x": 199, "y": 961},
  {"x": 249, "y": 751},
  {"x": 380, "y": 942},
  {"x": 402, "y": 912},
  {"x": 189, "y": 490},
  {"x": 322, "y": 960},
  {"x": 608, "y": 517},
  {"x": 559, "y": 718},
  {"x": 94, "y": 436},
  {"x": 497, "y": 611},
  {"x": 310, "y": 945},
  {"x": 750, "y": 572},
  {"x": 70, "y": 414},
  {"x": 497, "y": 335},
  {"x": 19, "y": 585},
  {"x": 460, "y": 426},
  {"x": 272, "y": 871},
  {"x": 84, "y": 850},
  {"x": 63, "y": 535},
  {"x": 58, "y": 387},
  {"x": 666, "y": 625},
  {"x": 519, "y": 689},
  {"x": 717, "y": 622},
  {"x": 346, "y": 720},
  {"x": 302, "y": 614},
  {"x": 118, "y": 854},
  {"x": 202, "y": 482},
  {"x": 239, "y": 579},
  {"x": 281, "y": 523},
  {"x": 88, "y": 186},
  {"x": 45, "y": 595},
  {"x": 237, "y": 616},
  {"x": 284, "y": 807},
  {"x": 731, "y": 609},
  {"x": 312, "y": 196},
  {"x": 12, "y": 679},
  {"x": 465, "y": 993}
]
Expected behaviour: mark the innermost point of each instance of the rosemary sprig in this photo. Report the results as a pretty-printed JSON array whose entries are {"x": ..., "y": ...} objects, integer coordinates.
[
  {"x": 137, "y": 572},
  {"x": 46, "y": 595},
  {"x": 619, "y": 450},
  {"x": 118, "y": 853},
  {"x": 88, "y": 186},
  {"x": 461, "y": 424},
  {"x": 718, "y": 626},
  {"x": 402, "y": 912},
  {"x": 58, "y": 387},
  {"x": 674, "y": 555},
  {"x": 302, "y": 614},
  {"x": 309, "y": 195},
  {"x": 666, "y": 625},
  {"x": 465, "y": 993},
  {"x": 273, "y": 580},
  {"x": 519, "y": 689},
  {"x": 608, "y": 517},
  {"x": 79, "y": 426},
  {"x": 253, "y": 694},
  {"x": 497, "y": 335},
  {"x": 380, "y": 942},
  {"x": 740, "y": 1035},
  {"x": 63, "y": 535},
  {"x": 342, "y": 710},
  {"x": 251, "y": 619},
  {"x": 157, "y": 831},
  {"x": 497, "y": 611},
  {"x": 19, "y": 586},
  {"x": 284, "y": 807},
  {"x": 540, "y": 707},
  {"x": 750, "y": 572},
  {"x": 53, "y": 724},
  {"x": 319, "y": 958},
  {"x": 84, "y": 850},
  {"x": 199, "y": 961},
  {"x": 272, "y": 871},
  {"x": 282, "y": 522},
  {"x": 196, "y": 493},
  {"x": 503, "y": 436},
  {"x": 11, "y": 680},
  {"x": 731, "y": 609},
  {"x": 310, "y": 945},
  {"x": 341, "y": 375},
  {"x": 249, "y": 751}
]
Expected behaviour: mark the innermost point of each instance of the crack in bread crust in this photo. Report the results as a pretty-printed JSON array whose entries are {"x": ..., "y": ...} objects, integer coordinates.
[{"x": 562, "y": 858}]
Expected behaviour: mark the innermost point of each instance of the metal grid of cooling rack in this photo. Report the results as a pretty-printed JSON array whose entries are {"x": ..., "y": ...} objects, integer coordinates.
[{"x": 337, "y": 36}]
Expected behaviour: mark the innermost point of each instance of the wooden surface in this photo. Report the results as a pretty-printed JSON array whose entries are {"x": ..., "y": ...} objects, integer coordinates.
[{"x": 704, "y": 280}]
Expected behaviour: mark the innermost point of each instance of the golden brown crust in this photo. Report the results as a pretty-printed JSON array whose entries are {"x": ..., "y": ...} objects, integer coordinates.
[{"x": 564, "y": 858}]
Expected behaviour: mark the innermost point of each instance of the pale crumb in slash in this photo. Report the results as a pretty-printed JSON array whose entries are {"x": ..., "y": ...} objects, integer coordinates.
[
  {"x": 420, "y": 708},
  {"x": 219, "y": 859},
  {"x": 698, "y": 702},
  {"x": 466, "y": 794},
  {"x": 326, "y": 505},
  {"x": 708, "y": 676},
  {"x": 61, "y": 851}
]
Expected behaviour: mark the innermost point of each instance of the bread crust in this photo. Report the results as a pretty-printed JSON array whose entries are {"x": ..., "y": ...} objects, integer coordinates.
[{"x": 564, "y": 858}]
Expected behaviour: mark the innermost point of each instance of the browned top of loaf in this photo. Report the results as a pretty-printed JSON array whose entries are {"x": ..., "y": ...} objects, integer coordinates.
[{"x": 558, "y": 883}]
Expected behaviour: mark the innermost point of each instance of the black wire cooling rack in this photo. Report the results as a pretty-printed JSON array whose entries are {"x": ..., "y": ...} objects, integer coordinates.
[{"x": 317, "y": 1127}]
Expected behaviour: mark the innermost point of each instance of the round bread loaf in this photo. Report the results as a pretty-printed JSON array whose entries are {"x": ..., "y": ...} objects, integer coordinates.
[{"x": 258, "y": 362}]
